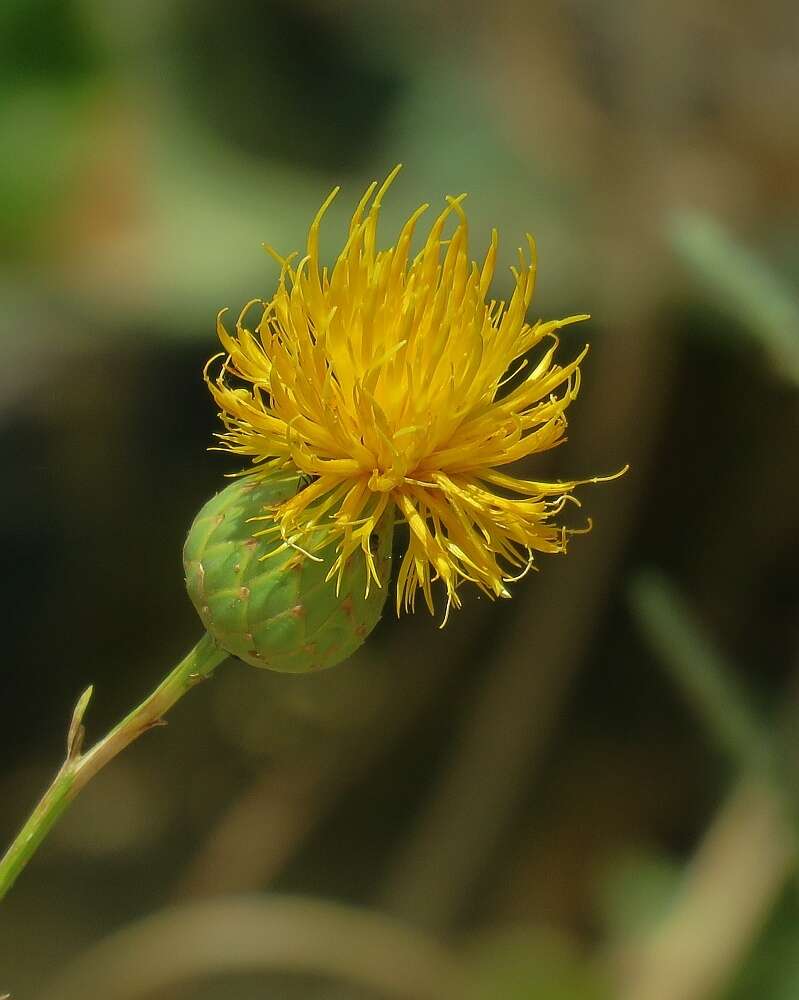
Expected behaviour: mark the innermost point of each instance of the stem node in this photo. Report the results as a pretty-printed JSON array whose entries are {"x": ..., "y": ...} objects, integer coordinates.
[{"x": 79, "y": 768}]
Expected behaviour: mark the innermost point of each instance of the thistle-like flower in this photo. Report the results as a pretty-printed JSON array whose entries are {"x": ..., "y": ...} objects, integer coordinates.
[{"x": 392, "y": 380}]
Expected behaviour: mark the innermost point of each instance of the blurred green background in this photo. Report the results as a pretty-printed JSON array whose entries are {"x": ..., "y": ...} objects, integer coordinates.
[{"x": 587, "y": 793}]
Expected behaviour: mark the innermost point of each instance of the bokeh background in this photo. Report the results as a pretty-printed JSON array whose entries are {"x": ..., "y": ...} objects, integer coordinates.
[{"x": 586, "y": 793}]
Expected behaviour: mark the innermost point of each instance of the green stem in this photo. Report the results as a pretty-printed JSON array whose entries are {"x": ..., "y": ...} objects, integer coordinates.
[{"x": 79, "y": 768}]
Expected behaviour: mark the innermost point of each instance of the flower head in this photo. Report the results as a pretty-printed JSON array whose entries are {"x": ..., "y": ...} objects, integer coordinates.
[{"x": 391, "y": 380}]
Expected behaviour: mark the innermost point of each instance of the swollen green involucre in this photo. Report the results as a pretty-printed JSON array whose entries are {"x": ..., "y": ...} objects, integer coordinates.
[{"x": 277, "y": 612}]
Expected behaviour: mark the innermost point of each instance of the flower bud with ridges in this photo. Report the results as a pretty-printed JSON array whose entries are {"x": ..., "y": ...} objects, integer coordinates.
[{"x": 277, "y": 612}]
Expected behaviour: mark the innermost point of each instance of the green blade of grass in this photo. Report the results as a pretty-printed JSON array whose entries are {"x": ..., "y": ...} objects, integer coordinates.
[
  {"x": 700, "y": 671},
  {"x": 742, "y": 284}
]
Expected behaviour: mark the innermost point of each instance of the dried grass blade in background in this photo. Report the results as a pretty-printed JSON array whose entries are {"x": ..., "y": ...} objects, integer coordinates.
[
  {"x": 750, "y": 850},
  {"x": 262, "y": 933}
]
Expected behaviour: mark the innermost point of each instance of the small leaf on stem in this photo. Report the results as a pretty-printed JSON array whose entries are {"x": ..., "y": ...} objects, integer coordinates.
[{"x": 76, "y": 730}]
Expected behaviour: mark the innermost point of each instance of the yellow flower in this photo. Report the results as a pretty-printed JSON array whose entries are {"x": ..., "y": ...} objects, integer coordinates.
[{"x": 390, "y": 381}]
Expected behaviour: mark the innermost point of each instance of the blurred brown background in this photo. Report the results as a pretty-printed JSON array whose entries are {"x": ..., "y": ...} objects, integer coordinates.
[{"x": 588, "y": 792}]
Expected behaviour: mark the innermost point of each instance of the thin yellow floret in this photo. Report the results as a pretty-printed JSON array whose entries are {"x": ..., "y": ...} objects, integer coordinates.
[{"x": 393, "y": 379}]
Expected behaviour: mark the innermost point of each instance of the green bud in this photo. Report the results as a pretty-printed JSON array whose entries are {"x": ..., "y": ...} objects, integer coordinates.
[{"x": 278, "y": 612}]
